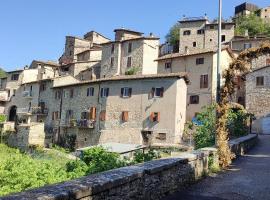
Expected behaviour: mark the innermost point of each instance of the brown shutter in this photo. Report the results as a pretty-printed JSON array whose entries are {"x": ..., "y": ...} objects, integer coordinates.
[
  {"x": 125, "y": 116},
  {"x": 158, "y": 117},
  {"x": 52, "y": 115},
  {"x": 152, "y": 115},
  {"x": 92, "y": 113},
  {"x": 162, "y": 92},
  {"x": 103, "y": 115}
]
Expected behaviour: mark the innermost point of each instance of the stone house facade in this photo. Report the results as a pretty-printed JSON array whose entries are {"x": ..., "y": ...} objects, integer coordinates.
[
  {"x": 201, "y": 67},
  {"x": 200, "y": 33},
  {"x": 130, "y": 50},
  {"x": 129, "y": 109},
  {"x": 258, "y": 91}
]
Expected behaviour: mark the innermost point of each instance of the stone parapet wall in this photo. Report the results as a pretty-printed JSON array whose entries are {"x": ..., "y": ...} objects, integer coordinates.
[{"x": 150, "y": 180}]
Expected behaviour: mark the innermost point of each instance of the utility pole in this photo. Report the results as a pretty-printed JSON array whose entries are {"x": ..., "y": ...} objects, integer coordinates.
[{"x": 219, "y": 52}]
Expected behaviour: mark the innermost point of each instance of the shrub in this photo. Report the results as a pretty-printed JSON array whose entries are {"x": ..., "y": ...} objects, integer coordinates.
[
  {"x": 141, "y": 156},
  {"x": 132, "y": 71},
  {"x": 204, "y": 135}
]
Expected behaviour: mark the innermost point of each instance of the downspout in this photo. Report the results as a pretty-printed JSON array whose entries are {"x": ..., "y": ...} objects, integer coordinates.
[
  {"x": 99, "y": 107},
  {"x": 60, "y": 114}
]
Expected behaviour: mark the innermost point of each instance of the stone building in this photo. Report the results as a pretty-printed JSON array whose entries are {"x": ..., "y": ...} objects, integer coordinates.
[
  {"x": 201, "y": 67},
  {"x": 124, "y": 109},
  {"x": 82, "y": 54},
  {"x": 245, "y": 9},
  {"x": 131, "y": 51},
  {"x": 200, "y": 33}
]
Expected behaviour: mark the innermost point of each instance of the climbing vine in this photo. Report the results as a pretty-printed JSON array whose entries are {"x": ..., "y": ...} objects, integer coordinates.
[{"x": 240, "y": 65}]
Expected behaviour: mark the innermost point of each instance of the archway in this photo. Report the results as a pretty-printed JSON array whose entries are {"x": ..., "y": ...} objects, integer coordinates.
[
  {"x": 12, "y": 113},
  {"x": 240, "y": 65}
]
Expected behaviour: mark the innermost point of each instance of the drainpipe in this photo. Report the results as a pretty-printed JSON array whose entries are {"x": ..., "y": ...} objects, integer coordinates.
[{"x": 99, "y": 107}]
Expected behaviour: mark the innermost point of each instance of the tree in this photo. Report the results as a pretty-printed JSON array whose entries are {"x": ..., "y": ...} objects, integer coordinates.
[
  {"x": 173, "y": 36},
  {"x": 254, "y": 24}
]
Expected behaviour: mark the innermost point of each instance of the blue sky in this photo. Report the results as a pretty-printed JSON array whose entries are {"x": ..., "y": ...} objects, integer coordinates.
[{"x": 36, "y": 29}]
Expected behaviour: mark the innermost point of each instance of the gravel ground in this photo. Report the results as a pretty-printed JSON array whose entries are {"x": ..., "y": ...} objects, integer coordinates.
[{"x": 248, "y": 178}]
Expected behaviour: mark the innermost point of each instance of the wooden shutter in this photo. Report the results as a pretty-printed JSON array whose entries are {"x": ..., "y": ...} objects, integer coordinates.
[
  {"x": 206, "y": 81},
  {"x": 162, "y": 92},
  {"x": 92, "y": 113},
  {"x": 152, "y": 116},
  {"x": 102, "y": 115},
  {"x": 125, "y": 116},
  {"x": 52, "y": 115},
  {"x": 158, "y": 117},
  {"x": 129, "y": 92}
]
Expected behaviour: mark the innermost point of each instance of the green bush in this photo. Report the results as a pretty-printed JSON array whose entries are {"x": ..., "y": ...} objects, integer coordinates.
[
  {"x": 204, "y": 135},
  {"x": 132, "y": 71},
  {"x": 141, "y": 156}
]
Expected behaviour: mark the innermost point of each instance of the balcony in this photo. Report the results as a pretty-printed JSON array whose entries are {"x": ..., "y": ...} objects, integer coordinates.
[
  {"x": 4, "y": 96},
  {"x": 81, "y": 123},
  {"x": 24, "y": 111},
  {"x": 39, "y": 111},
  {"x": 27, "y": 94}
]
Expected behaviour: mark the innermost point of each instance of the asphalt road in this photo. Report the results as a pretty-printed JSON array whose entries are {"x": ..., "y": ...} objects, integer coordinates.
[{"x": 248, "y": 178}]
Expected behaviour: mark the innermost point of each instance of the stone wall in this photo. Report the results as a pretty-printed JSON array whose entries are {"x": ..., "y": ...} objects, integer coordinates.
[{"x": 150, "y": 180}]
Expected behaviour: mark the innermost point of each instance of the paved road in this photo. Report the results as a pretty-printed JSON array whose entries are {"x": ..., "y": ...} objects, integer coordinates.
[{"x": 248, "y": 178}]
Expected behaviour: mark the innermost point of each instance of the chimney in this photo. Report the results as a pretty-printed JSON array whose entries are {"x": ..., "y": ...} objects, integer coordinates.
[{"x": 151, "y": 34}]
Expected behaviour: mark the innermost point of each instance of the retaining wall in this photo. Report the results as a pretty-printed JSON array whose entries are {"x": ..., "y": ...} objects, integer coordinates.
[{"x": 151, "y": 180}]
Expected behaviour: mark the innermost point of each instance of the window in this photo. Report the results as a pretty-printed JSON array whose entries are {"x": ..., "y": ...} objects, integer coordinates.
[
  {"x": 194, "y": 99},
  {"x": 129, "y": 62},
  {"x": 194, "y": 44},
  {"x": 187, "y": 32},
  {"x": 204, "y": 81},
  {"x": 125, "y": 116},
  {"x": 223, "y": 38},
  {"x": 93, "y": 113},
  {"x": 200, "y": 32},
  {"x": 112, "y": 49},
  {"x": 223, "y": 26},
  {"x": 112, "y": 61},
  {"x": 260, "y": 81},
  {"x": 211, "y": 40},
  {"x": 199, "y": 61},
  {"x": 168, "y": 65},
  {"x": 90, "y": 91},
  {"x": 268, "y": 61},
  {"x": 161, "y": 136},
  {"x": 55, "y": 115},
  {"x": 155, "y": 117},
  {"x": 43, "y": 86},
  {"x": 15, "y": 77},
  {"x": 57, "y": 94},
  {"x": 104, "y": 92},
  {"x": 126, "y": 92},
  {"x": 212, "y": 26},
  {"x": 247, "y": 45},
  {"x": 129, "y": 47},
  {"x": 157, "y": 92},
  {"x": 84, "y": 115},
  {"x": 71, "y": 93},
  {"x": 69, "y": 114},
  {"x": 102, "y": 115}
]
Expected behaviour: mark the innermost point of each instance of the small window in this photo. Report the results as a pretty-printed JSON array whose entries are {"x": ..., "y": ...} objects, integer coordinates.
[
  {"x": 260, "y": 81},
  {"x": 223, "y": 38},
  {"x": 155, "y": 117},
  {"x": 204, "y": 81},
  {"x": 157, "y": 92},
  {"x": 161, "y": 136},
  {"x": 126, "y": 92},
  {"x": 194, "y": 44},
  {"x": 112, "y": 49},
  {"x": 102, "y": 115},
  {"x": 57, "y": 94},
  {"x": 223, "y": 26},
  {"x": 187, "y": 32},
  {"x": 43, "y": 86},
  {"x": 112, "y": 61},
  {"x": 199, "y": 61},
  {"x": 90, "y": 91},
  {"x": 129, "y": 62},
  {"x": 129, "y": 47},
  {"x": 212, "y": 26},
  {"x": 194, "y": 99},
  {"x": 211, "y": 40},
  {"x": 125, "y": 116},
  {"x": 200, "y": 32},
  {"x": 247, "y": 45},
  {"x": 15, "y": 77},
  {"x": 104, "y": 92},
  {"x": 55, "y": 115},
  {"x": 168, "y": 65},
  {"x": 71, "y": 93}
]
